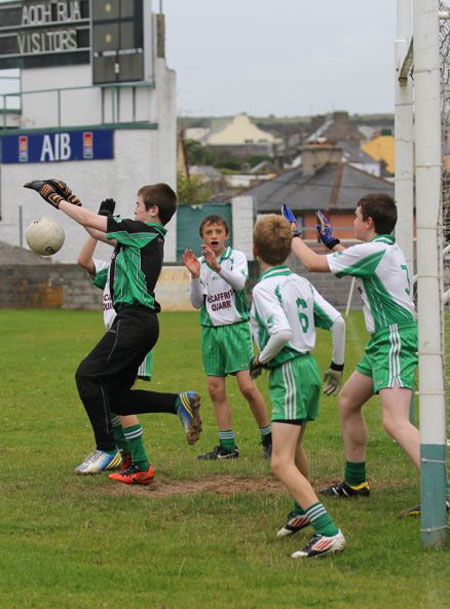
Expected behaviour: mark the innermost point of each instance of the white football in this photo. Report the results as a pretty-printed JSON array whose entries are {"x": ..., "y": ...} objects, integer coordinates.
[{"x": 45, "y": 236}]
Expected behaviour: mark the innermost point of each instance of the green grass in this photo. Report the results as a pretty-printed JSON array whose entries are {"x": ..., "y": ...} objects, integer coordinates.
[{"x": 74, "y": 543}]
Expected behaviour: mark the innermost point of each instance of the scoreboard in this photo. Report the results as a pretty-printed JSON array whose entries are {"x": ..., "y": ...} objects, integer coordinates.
[
  {"x": 114, "y": 36},
  {"x": 117, "y": 40}
]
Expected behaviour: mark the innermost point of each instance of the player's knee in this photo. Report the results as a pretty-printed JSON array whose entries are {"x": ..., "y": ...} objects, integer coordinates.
[
  {"x": 346, "y": 403},
  {"x": 277, "y": 464},
  {"x": 390, "y": 425},
  {"x": 343, "y": 400},
  {"x": 216, "y": 391},
  {"x": 248, "y": 390}
]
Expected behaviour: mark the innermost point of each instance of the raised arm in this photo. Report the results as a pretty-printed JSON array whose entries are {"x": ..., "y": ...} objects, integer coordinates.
[
  {"x": 84, "y": 217},
  {"x": 308, "y": 257},
  {"x": 60, "y": 196}
]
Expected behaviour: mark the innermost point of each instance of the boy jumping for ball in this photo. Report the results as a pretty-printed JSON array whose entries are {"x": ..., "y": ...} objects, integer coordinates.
[
  {"x": 285, "y": 310},
  {"x": 105, "y": 377},
  {"x": 389, "y": 364},
  {"x": 128, "y": 432},
  {"x": 218, "y": 288}
]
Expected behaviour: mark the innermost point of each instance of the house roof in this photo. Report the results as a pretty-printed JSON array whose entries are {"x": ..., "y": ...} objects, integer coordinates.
[
  {"x": 205, "y": 170},
  {"x": 240, "y": 131},
  {"x": 333, "y": 186},
  {"x": 334, "y": 128},
  {"x": 382, "y": 148},
  {"x": 353, "y": 153}
]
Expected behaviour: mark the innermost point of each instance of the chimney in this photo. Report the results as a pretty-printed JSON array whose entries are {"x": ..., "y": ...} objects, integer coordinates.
[{"x": 315, "y": 156}]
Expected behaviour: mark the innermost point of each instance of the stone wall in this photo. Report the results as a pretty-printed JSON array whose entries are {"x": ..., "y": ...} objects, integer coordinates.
[{"x": 66, "y": 286}]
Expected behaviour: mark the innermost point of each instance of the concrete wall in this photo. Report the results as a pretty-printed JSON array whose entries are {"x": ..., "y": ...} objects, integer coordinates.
[{"x": 66, "y": 286}]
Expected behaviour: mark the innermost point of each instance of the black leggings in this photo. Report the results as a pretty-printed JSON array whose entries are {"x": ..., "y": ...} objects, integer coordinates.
[{"x": 105, "y": 377}]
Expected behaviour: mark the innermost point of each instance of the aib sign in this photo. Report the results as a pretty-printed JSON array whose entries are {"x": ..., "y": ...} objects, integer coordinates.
[{"x": 62, "y": 146}]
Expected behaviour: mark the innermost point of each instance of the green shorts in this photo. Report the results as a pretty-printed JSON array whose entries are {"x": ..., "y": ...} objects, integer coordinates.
[
  {"x": 146, "y": 368},
  {"x": 294, "y": 389},
  {"x": 391, "y": 358},
  {"x": 226, "y": 349}
]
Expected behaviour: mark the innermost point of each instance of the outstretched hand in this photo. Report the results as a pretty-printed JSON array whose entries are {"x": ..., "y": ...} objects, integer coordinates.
[
  {"x": 46, "y": 191},
  {"x": 107, "y": 207},
  {"x": 64, "y": 190},
  {"x": 325, "y": 230}
]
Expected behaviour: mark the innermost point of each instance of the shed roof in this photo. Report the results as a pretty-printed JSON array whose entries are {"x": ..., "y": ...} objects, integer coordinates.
[{"x": 334, "y": 186}]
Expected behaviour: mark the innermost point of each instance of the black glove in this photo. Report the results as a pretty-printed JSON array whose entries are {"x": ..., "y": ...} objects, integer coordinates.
[
  {"x": 65, "y": 191},
  {"x": 107, "y": 207},
  {"x": 256, "y": 367},
  {"x": 46, "y": 191}
]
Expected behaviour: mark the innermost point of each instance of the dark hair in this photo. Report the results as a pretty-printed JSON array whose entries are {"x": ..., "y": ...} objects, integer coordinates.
[
  {"x": 163, "y": 197},
  {"x": 213, "y": 219},
  {"x": 272, "y": 237},
  {"x": 382, "y": 209}
]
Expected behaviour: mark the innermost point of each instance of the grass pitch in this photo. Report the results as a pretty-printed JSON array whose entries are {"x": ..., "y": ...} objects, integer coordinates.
[{"x": 205, "y": 537}]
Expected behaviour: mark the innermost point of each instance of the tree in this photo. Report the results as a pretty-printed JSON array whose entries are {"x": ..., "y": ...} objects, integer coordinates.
[
  {"x": 196, "y": 153},
  {"x": 193, "y": 190}
]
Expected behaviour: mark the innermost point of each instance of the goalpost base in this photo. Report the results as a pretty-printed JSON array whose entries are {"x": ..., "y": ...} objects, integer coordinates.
[{"x": 433, "y": 518}]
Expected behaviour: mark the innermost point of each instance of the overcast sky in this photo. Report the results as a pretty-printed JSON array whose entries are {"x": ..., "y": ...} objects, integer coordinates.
[{"x": 282, "y": 57}]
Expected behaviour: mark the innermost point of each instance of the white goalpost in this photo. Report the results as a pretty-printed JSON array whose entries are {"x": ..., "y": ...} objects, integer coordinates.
[{"x": 418, "y": 159}]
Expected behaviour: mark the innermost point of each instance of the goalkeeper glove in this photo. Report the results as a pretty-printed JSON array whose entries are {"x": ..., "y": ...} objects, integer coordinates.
[
  {"x": 289, "y": 215},
  {"x": 107, "y": 207},
  {"x": 255, "y": 367},
  {"x": 332, "y": 379},
  {"x": 325, "y": 230},
  {"x": 65, "y": 191},
  {"x": 46, "y": 191}
]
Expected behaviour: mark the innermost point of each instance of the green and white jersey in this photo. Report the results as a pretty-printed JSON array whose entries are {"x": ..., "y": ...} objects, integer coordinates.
[
  {"x": 101, "y": 280},
  {"x": 380, "y": 267},
  {"x": 282, "y": 300},
  {"x": 222, "y": 305},
  {"x": 136, "y": 262}
]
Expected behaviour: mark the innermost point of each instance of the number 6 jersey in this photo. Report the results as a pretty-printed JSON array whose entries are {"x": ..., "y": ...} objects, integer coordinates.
[{"x": 282, "y": 300}]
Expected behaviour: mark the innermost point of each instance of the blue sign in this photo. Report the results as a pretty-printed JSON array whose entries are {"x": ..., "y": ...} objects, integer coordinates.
[{"x": 52, "y": 147}]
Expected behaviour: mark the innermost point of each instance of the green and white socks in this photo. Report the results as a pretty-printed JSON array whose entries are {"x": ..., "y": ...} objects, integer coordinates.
[
  {"x": 227, "y": 440},
  {"x": 320, "y": 520},
  {"x": 131, "y": 440},
  {"x": 318, "y": 517}
]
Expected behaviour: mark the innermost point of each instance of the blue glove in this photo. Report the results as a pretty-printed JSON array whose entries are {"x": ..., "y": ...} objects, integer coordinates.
[
  {"x": 325, "y": 230},
  {"x": 289, "y": 215}
]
